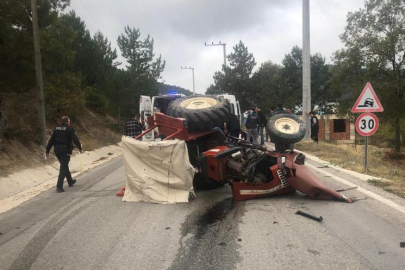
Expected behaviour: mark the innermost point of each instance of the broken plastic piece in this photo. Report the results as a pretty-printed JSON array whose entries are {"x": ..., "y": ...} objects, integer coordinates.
[
  {"x": 121, "y": 192},
  {"x": 309, "y": 216},
  {"x": 350, "y": 188}
]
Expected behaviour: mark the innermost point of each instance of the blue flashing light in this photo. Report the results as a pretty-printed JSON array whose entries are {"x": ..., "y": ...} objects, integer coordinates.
[{"x": 172, "y": 92}]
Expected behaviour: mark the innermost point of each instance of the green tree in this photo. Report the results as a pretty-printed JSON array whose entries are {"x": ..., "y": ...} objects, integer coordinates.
[
  {"x": 82, "y": 45},
  {"x": 95, "y": 62},
  {"x": 291, "y": 73},
  {"x": 17, "y": 71},
  {"x": 374, "y": 46},
  {"x": 236, "y": 78},
  {"x": 267, "y": 84},
  {"x": 143, "y": 69}
]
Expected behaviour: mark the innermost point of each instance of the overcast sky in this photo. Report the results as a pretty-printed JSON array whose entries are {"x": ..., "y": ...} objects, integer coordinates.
[{"x": 269, "y": 28}]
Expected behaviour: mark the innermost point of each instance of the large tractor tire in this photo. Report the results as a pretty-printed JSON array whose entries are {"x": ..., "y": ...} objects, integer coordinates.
[
  {"x": 285, "y": 130},
  {"x": 201, "y": 112}
]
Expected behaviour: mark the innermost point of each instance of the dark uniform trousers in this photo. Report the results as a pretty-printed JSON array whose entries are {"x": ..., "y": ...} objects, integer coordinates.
[
  {"x": 63, "y": 154},
  {"x": 314, "y": 133}
]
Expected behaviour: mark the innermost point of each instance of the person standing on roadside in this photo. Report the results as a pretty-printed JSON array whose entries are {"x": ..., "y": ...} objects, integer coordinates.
[
  {"x": 232, "y": 126},
  {"x": 133, "y": 127},
  {"x": 288, "y": 109},
  {"x": 280, "y": 109},
  {"x": 261, "y": 123},
  {"x": 62, "y": 139},
  {"x": 314, "y": 126},
  {"x": 252, "y": 122},
  {"x": 268, "y": 116}
]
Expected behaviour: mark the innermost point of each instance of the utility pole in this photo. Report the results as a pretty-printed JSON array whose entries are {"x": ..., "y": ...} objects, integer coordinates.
[
  {"x": 192, "y": 69},
  {"x": 219, "y": 44},
  {"x": 306, "y": 68},
  {"x": 38, "y": 71}
]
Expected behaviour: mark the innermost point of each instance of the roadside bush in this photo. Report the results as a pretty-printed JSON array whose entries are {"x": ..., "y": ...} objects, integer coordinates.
[
  {"x": 64, "y": 95},
  {"x": 385, "y": 135},
  {"x": 96, "y": 101},
  {"x": 22, "y": 116}
]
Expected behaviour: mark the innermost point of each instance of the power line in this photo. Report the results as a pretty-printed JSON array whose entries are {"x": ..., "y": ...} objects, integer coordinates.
[
  {"x": 82, "y": 14},
  {"x": 238, "y": 13},
  {"x": 226, "y": 16},
  {"x": 91, "y": 16},
  {"x": 216, "y": 17}
]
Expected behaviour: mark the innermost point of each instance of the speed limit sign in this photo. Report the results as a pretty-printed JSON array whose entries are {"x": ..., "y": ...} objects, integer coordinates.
[{"x": 367, "y": 124}]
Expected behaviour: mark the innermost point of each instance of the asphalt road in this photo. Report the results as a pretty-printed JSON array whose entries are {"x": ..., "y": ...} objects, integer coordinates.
[{"x": 88, "y": 227}]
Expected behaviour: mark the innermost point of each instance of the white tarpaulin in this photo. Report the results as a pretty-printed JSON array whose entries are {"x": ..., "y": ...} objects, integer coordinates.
[{"x": 158, "y": 172}]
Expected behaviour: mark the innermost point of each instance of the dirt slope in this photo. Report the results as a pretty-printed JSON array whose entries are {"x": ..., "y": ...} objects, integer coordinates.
[{"x": 18, "y": 151}]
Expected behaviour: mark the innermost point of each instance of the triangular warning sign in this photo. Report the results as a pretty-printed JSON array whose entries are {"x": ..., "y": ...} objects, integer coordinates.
[{"x": 367, "y": 101}]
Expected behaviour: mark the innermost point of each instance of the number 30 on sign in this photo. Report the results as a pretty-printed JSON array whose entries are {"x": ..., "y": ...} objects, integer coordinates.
[{"x": 367, "y": 124}]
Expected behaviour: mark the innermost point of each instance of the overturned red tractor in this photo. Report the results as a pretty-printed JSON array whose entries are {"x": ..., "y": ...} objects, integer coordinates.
[{"x": 251, "y": 170}]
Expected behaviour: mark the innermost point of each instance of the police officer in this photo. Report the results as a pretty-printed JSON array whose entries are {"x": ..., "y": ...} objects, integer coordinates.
[
  {"x": 62, "y": 139},
  {"x": 314, "y": 127}
]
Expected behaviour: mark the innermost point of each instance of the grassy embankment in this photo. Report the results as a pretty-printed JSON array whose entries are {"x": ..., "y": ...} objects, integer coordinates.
[{"x": 382, "y": 162}]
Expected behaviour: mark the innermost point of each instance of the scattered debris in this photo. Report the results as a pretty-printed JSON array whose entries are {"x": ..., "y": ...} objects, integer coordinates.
[
  {"x": 240, "y": 240},
  {"x": 357, "y": 199},
  {"x": 314, "y": 252},
  {"x": 309, "y": 216},
  {"x": 167, "y": 228},
  {"x": 121, "y": 192},
  {"x": 110, "y": 154},
  {"x": 275, "y": 222},
  {"x": 222, "y": 244},
  {"x": 341, "y": 190},
  {"x": 1, "y": 233},
  {"x": 402, "y": 244},
  {"x": 381, "y": 252}
]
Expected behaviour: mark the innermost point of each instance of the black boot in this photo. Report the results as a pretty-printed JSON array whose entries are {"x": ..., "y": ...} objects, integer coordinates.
[
  {"x": 73, "y": 182},
  {"x": 59, "y": 190}
]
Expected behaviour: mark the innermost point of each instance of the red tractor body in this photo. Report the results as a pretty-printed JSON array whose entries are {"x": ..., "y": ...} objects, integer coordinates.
[{"x": 251, "y": 170}]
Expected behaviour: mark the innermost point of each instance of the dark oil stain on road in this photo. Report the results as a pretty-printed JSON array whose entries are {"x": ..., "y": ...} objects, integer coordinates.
[{"x": 210, "y": 238}]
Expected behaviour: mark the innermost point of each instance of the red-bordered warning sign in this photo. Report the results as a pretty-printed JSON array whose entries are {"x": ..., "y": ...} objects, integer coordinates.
[
  {"x": 367, "y": 124},
  {"x": 367, "y": 101}
]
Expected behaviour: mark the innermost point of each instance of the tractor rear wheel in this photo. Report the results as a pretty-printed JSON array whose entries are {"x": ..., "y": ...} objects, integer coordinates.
[{"x": 201, "y": 112}]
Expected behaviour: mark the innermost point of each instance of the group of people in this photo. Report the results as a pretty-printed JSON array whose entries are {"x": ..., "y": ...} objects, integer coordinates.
[{"x": 256, "y": 123}]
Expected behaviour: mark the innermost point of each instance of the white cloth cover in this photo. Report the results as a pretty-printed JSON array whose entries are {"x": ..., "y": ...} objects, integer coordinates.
[{"x": 157, "y": 172}]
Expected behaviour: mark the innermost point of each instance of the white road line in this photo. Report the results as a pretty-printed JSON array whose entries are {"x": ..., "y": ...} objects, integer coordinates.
[{"x": 362, "y": 190}]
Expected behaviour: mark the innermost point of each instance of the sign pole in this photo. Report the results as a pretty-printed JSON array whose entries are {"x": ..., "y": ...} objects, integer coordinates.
[
  {"x": 367, "y": 123},
  {"x": 365, "y": 153}
]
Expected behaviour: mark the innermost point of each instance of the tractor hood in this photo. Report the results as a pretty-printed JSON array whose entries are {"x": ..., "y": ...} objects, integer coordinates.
[{"x": 308, "y": 183}]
